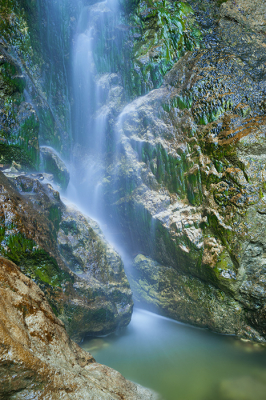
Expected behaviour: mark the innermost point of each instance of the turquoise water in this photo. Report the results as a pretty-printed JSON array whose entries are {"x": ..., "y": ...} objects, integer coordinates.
[{"x": 181, "y": 362}]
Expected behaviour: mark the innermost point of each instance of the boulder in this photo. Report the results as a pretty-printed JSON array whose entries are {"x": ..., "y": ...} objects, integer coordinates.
[
  {"x": 99, "y": 271},
  {"x": 37, "y": 357},
  {"x": 87, "y": 290},
  {"x": 184, "y": 298}
]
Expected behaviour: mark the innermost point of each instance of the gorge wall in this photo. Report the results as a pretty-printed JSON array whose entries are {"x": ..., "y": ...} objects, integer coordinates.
[{"x": 183, "y": 177}]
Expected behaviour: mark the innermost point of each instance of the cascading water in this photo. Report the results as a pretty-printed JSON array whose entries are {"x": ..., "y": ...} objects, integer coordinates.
[{"x": 92, "y": 112}]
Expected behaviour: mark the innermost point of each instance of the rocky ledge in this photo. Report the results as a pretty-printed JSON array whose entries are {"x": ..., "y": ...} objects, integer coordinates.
[
  {"x": 39, "y": 360},
  {"x": 66, "y": 254}
]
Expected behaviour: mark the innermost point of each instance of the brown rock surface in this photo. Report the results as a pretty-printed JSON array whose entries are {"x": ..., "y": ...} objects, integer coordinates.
[
  {"x": 37, "y": 358},
  {"x": 250, "y": 13}
]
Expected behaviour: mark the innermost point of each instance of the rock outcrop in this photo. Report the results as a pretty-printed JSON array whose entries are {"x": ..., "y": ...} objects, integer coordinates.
[
  {"x": 188, "y": 182},
  {"x": 185, "y": 298},
  {"x": 99, "y": 273},
  {"x": 81, "y": 275},
  {"x": 38, "y": 359}
]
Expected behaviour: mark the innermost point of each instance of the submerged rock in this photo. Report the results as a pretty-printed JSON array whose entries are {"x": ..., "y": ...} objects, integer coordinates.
[
  {"x": 244, "y": 388},
  {"x": 99, "y": 300},
  {"x": 38, "y": 359}
]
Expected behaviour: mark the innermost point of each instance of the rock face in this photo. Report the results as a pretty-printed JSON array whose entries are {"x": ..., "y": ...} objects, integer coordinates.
[
  {"x": 19, "y": 124},
  {"x": 99, "y": 271},
  {"x": 88, "y": 289},
  {"x": 188, "y": 182},
  {"x": 184, "y": 297},
  {"x": 38, "y": 359},
  {"x": 185, "y": 185},
  {"x": 52, "y": 164}
]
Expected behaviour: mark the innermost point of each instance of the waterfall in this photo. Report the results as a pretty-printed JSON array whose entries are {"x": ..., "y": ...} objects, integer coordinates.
[{"x": 95, "y": 83}]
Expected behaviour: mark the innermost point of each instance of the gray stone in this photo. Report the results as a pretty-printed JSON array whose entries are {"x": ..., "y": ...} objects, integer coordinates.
[{"x": 54, "y": 165}]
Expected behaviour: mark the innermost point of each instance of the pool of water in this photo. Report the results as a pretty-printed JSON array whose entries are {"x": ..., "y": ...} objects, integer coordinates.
[{"x": 181, "y": 362}]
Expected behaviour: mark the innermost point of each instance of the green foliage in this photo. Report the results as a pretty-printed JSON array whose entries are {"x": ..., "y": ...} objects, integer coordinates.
[
  {"x": 146, "y": 42},
  {"x": 166, "y": 31}
]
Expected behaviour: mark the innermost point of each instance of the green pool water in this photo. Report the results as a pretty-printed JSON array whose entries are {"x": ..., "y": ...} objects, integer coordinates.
[{"x": 181, "y": 362}]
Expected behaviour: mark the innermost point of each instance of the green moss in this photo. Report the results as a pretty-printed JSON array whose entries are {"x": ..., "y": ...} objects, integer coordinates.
[
  {"x": 181, "y": 102},
  {"x": 220, "y": 2},
  {"x": 194, "y": 190},
  {"x": 33, "y": 261},
  {"x": 53, "y": 165},
  {"x": 129, "y": 5},
  {"x": 12, "y": 79},
  {"x": 20, "y": 127},
  {"x": 20, "y": 143},
  {"x": 173, "y": 172},
  {"x": 55, "y": 215},
  {"x": 14, "y": 28},
  {"x": 47, "y": 127},
  {"x": 9, "y": 153}
]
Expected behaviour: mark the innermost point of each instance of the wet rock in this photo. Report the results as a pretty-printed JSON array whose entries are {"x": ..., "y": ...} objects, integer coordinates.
[
  {"x": 19, "y": 124},
  {"x": 185, "y": 298},
  {"x": 98, "y": 300},
  {"x": 99, "y": 270},
  {"x": 248, "y": 13},
  {"x": 54, "y": 165},
  {"x": 188, "y": 183},
  {"x": 38, "y": 359}
]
